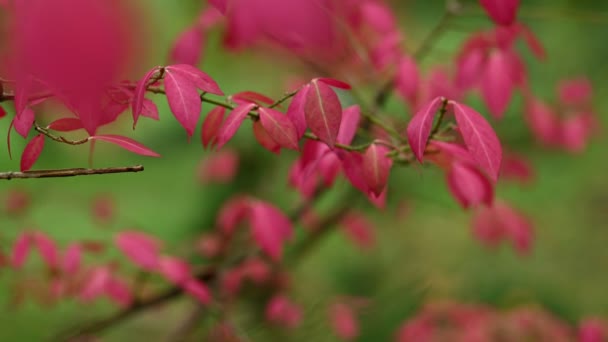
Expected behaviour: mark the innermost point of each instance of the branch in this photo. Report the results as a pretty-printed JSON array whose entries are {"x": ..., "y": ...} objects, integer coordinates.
[{"x": 68, "y": 172}]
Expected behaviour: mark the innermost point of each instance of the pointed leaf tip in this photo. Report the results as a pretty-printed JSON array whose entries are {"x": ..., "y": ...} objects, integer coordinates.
[
  {"x": 138, "y": 96},
  {"x": 32, "y": 152},
  {"x": 183, "y": 99},
  {"x": 232, "y": 123},
  {"x": 126, "y": 143}
]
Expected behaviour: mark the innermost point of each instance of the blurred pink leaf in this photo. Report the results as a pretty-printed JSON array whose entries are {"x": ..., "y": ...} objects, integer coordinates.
[
  {"x": 281, "y": 310},
  {"x": 126, "y": 143},
  {"x": 32, "y": 152},
  {"x": 188, "y": 46},
  {"x": 24, "y": 121},
  {"x": 270, "y": 228},
  {"x": 469, "y": 186},
  {"x": 21, "y": 249},
  {"x": 251, "y": 97},
  {"x": 334, "y": 83},
  {"x": 220, "y": 167},
  {"x": 174, "y": 269},
  {"x": 296, "y": 110},
  {"x": 119, "y": 291},
  {"x": 359, "y": 230},
  {"x": 72, "y": 257},
  {"x": 142, "y": 249},
  {"x": 407, "y": 80},
  {"x": 140, "y": 91},
  {"x": 376, "y": 168},
  {"x": 497, "y": 83},
  {"x": 47, "y": 249},
  {"x": 350, "y": 122},
  {"x": 198, "y": 290},
  {"x": 502, "y": 12},
  {"x": 65, "y": 125},
  {"x": 344, "y": 321}
]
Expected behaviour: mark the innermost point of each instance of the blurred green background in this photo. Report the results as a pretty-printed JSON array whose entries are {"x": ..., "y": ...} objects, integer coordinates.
[{"x": 428, "y": 255}]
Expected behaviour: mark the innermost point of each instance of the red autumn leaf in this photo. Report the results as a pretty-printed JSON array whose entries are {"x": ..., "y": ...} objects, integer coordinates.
[
  {"x": 497, "y": 83},
  {"x": 32, "y": 152},
  {"x": 270, "y": 228},
  {"x": 576, "y": 91},
  {"x": 150, "y": 110},
  {"x": 350, "y": 122},
  {"x": 220, "y": 167},
  {"x": 469, "y": 186},
  {"x": 533, "y": 43},
  {"x": 494, "y": 224},
  {"x": 188, "y": 47},
  {"x": 140, "y": 248},
  {"x": 543, "y": 121},
  {"x": 281, "y": 310},
  {"x": 140, "y": 91},
  {"x": 183, "y": 99},
  {"x": 251, "y": 97},
  {"x": 516, "y": 167},
  {"x": 575, "y": 132},
  {"x": 211, "y": 125},
  {"x": 2, "y": 112},
  {"x": 407, "y": 80},
  {"x": 103, "y": 209},
  {"x": 232, "y": 214},
  {"x": 72, "y": 257},
  {"x": 95, "y": 284},
  {"x": 47, "y": 249},
  {"x": 279, "y": 127},
  {"x": 344, "y": 321},
  {"x": 502, "y": 12},
  {"x": 334, "y": 83},
  {"x": 486, "y": 228},
  {"x": 352, "y": 164},
  {"x": 359, "y": 230},
  {"x": 323, "y": 112},
  {"x": 376, "y": 168},
  {"x": 264, "y": 139},
  {"x": 174, "y": 269},
  {"x": 232, "y": 123},
  {"x": 126, "y": 143},
  {"x": 200, "y": 79},
  {"x": 198, "y": 290},
  {"x": 24, "y": 121},
  {"x": 119, "y": 291},
  {"x": 470, "y": 67},
  {"x": 65, "y": 125},
  {"x": 419, "y": 128},
  {"x": 295, "y": 111},
  {"x": 21, "y": 249},
  {"x": 480, "y": 139}
]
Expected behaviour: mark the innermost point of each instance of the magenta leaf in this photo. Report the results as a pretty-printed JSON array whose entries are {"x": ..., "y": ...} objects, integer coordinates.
[
  {"x": 2, "y": 113},
  {"x": 188, "y": 47},
  {"x": 295, "y": 111},
  {"x": 350, "y": 122},
  {"x": 149, "y": 110},
  {"x": 359, "y": 230},
  {"x": 200, "y": 79},
  {"x": 232, "y": 123},
  {"x": 323, "y": 112},
  {"x": 21, "y": 249},
  {"x": 183, "y": 99},
  {"x": 281, "y": 310},
  {"x": 344, "y": 322},
  {"x": 502, "y": 12},
  {"x": 32, "y": 152},
  {"x": 232, "y": 214},
  {"x": 280, "y": 128},
  {"x": 334, "y": 83},
  {"x": 419, "y": 128},
  {"x": 65, "y": 125},
  {"x": 47, "y": 249},
  {"x": 480, "y": 139},
  {"x": 469, "y": 186},
  {"x": 119, "y": 291},
  {"x": 497, "y": 83},
  {"x": 352, "y": 164},
  {"x": 71, "y": 260},
  {"x": 270, "y": 228},
  {"x": 140, "y": 248},
  {"x": 407, "y": 81},
  {"x": 211, "y": 125},
  {"x": 376, "y": 168},
  {"x": 174, "y": 269},
  {"x": 126, "y": 143},
  {"x": 260, "y": 134},
  {"x": 140, "y": 91},
  {"x": 198, "y": 290},
  {"x": 24, "y": 121},
  {"x": 251, "y": 97}
]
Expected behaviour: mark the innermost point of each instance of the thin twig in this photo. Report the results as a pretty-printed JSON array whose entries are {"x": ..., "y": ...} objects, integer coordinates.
[{"x": 57, "y": 173}]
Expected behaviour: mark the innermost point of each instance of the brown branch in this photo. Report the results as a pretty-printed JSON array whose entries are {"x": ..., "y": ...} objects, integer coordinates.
[{"x": 68, "y": 172}]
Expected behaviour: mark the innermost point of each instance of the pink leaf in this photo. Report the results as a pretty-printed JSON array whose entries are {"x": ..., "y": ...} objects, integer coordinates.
[
  {"x": 470, "y": 67},
  {"x": 376, "y": 168},
  {"x": 323, "y": 112},
  {"x": 480, "y": 139},
  {"x": 71, "y": 259},
  {"x": 232, "y": 214},
  {"x": 575, "y": 91},
  {"x": 149, "y": 110},
  {"x": 592, "y": 330},
  {"x": 232, "y": 123},
  {"x": 200, "y": 79},
  {"x": 183, "y": 99},
  {"x": 359, "y": 230},
  {"x": 270, "y": 228},
  {"x": 264, "y": 139},
  {"x": 497, "y": 83},
  {"x": 533, "y": 43},
  {"x": 174, "y": 269},
  {"x": 140, "y": 248},
  {"x": 282, "y": 311},
  {"x": 126, "y": 143},
  {"x": 211, "y": 125},
  {"x": 47, "y": 249},
  {"x": 24, "y": 121},
  {"x": 543, "y": 121},
  {"x": 502, "y": 12},
  {"x": 344, "y": 322},
  {"x": 419, "y": 128},
  {"x": 407, "y": 80},
  {"x": 295, "y": 111},
  {"x": 251, "y": 97},
  {"x": 32, "y": 152},
  {"x": 350, "y": 122},
  {"x": 95, "y": 284},
  {"x": 516, "y": 167},
  {"x": 188, "y": 47},
  {"x": 119, "y": 291},
  {"x": 140, "y": 91},
  {"x": 352, "y": 164},
  {"x": 65, "y": 125},
  {"x": 334, "y": 83},
  {"x": 469, "y": 186},
  {"x": 220, "y": 167},
  {"x": 198, "y": 290},
  {"x": 2, "y": 113},
  {"x": 21, "y": 249},
  {"x": 280, "y": 128}
]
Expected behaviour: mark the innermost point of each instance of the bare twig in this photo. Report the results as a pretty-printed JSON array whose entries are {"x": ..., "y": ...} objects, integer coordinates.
[{"x": 68, "y": 172}]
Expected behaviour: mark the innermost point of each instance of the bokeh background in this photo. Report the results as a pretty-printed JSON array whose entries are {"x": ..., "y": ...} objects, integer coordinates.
[{"x": 427, "y": 254}]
